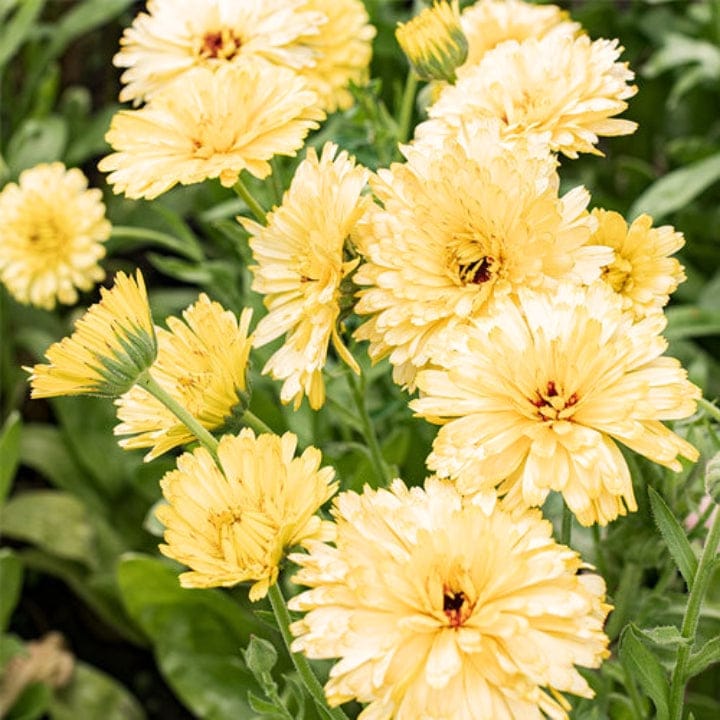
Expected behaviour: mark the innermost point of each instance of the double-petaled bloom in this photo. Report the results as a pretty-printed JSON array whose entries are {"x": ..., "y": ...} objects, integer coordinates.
[{"x": 537, "y": 396}]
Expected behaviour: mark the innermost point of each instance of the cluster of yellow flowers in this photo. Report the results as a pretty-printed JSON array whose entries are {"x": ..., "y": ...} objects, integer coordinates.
[{"x": 531, "y": 327}]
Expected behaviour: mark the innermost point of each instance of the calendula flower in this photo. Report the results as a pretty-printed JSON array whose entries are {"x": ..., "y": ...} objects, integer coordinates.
[
  {"x": 53, "y": 228},
  {"x": 301, "y": 266},
  {"x": 434, "y": 42},
  {"x": 487, "y": 23},
  {"x": 210, "y": 125},
  {"x": 342, "y": 49},
  {"x": 537, "y": 396},
  {"x": 642, "y": 271},
  {"x": 175, "y": 36},
  {"x": 568, "y": 87},
  {"x": 201, "y": 363},
  {"x": 112, "y": 346},
  {"x": 437, "y": 609},
  {"x": 234, "y": 522},
  {"x": 473, "y": 218}
]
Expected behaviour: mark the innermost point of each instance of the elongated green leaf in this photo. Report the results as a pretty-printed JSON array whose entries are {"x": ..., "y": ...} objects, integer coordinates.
[
  {"x": 37, "y": 141},
  {"x": 15, "y": 31},
  {"x": 677, "y": 188},
  {"x": 644, "y": 666},
  {"x": 9, "y": 453},
  {"x": 708, "y": 654},
  {"x": 93, "y": 695},
  {"x": 688, "y": 321},
  {"x": 665, "y": 635},
  {"x": 11, "y": 573},
  {"x": 675, "y": 538}
]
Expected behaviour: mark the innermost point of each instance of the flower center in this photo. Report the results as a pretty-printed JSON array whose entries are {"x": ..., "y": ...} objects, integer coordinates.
[
  {"x": 552, "y": 404},
  {"x": 220, "y": 45},
  {"x": 618, "y": 274},
  {"x": 476, "y": 260},
  {"x": 46, "y": 235},
  {"x": 456, "y": 606}
]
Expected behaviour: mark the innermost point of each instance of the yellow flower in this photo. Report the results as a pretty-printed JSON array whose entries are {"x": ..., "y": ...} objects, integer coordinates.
[
  {"x": 113, "y": 344},
  {"x": 210, "y": 125},
  {"x": 535, "y": 397},
  {"x": 234, "y": 523},
  {"x": 439, "y": 610},
  {"x": 487, "y": 23},
  {"x": 175, "y": 36},
  {"x": 569, "y": 87},
  {"x": 201, "y": 363},
  {"x": 642, "y": 271},
  {"x": 342, "y": 49},
  {"x": 473, "y": 218},
  {"x": 52, "y": 232},
  {"x": 301, "y": 266},
  {"x": 434, "y": 42}
]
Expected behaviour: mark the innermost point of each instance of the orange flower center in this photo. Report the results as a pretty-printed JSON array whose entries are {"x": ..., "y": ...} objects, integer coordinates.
[
  {"x": 456, "y": 606},
  {"x": 552, "y": 404}
]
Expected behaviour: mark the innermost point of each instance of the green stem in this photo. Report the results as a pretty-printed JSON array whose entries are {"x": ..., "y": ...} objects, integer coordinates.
[
  {"x": 566, "y": 528},
  {"x": 712, "y": 410},
  {"x": 703, "y": 575},
  {"x": 406, "y": 107},
  {"x": 126, "y": 232},
  {"x": 277, "y": 181},
  {"x": 358, "y": 388},
  {"x": 254, "y": 422},
  {"x": 282, "y": 616},
  {"x": 599, "y": 556},
  {"x": 253, "y": 205},
  {"x": 206, "y": 438},
  {"x": 635, "y": 699}
]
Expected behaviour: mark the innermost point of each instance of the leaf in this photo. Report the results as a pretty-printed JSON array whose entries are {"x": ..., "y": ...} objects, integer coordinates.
[
  {"x": 260, "y": 656},
  {"x": 665, "y": 635},
  {"x": 712, "y": 478},
  {"x": 11, "y": 573},
  {"x": 32, "y": 703},
  {"x": 675, "y": 538},
  {"x": 677, "y": 188},
  {"x": 93, "y": 695},
  {"x": 680, "y": 50},
  {"x": 688, "y": 321},
  {"x": 15, "y": 31},
  {"x": 37, "y": 141},
  {"x": 9, "y": 452},
  {"x": 52, "y": 520},
  {"x": 644, "y": 666},
  {"x": 708, "y": 654},
  {"x": 198, "y": 637}
]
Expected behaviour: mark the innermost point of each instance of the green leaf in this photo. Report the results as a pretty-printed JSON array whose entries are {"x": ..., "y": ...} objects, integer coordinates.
[
  {"x": 9, "y": 452},
  {"x": 52, "y": 520},
  {"x": 708, "y": 654},
  {"x": 15, "y": 31},
  {"x": 37, "y": 141},
  {"x": 260, "y": 656},
  {"x": 11, "y": 573},
  {"x": 198, "y": 637},
  {"x": 676, "y": 189},
  {"x": 675, "y": 538},
  {"x": 688, "y": 321},
  {"x": 665, "y": 635},
  {"x": 680, "y": 50},
  {"x": 32, "y": 703},
  {"x": 644, "y": 666},
  {"x": 10, "y": 646},
  {"x": 93, "y": 695}
]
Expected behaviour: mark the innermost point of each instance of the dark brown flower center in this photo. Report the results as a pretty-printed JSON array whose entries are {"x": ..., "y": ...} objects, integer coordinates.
[
  {"x": 477, "y": 272},
  {"x": 221, "y": 44},
  {"x": 456, "y": 607},
  {"x": 552, "y": 403}
]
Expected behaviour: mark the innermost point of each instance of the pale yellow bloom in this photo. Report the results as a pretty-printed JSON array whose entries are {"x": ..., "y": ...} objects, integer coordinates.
[
  {"x": 568, "y": 87},
  {"x": 201, "y": 363},
  {"x": 487, "y": 23},
  {"x": 210, "y": 125},
  {"x": 472, "y": 218},
  {"x": 175, "y": 36},
  {"x": 51, "y": 233},
  {"x": 434, "y": 42},
  {"x": 342, "y": 49},
  {"x": 113, "y": 344},
  {"x": 439, "y": 610},
  {"x": 642, "y": 271},
  {"x": 536, "y": 397},
  {"x": 301, "y": 264},
  {"x": 233, "y": 523}
]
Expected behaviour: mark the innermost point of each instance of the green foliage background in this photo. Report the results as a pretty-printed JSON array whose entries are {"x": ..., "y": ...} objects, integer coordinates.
[{"x": 76, "y": 509}]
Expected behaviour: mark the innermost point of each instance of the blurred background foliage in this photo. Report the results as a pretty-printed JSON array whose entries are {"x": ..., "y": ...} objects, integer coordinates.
[{"x": 79, "y": 551}]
